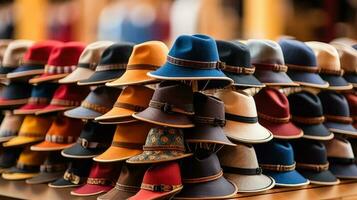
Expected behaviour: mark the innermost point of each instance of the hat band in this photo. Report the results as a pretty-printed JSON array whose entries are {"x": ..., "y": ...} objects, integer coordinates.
[
  {"x": 309, "y": 69},
  {"x": 32, "y": 62},
  {"x": 209, "y": 120},
  {"x": 71, "y": 177},
  {"x": 60, "y": 139},
  {"x": 308, "y": 120},
  {"x": 101, "y": 68},
  {"x": 239, "y": 118},
  {"x": 194, "y": 64},
  {"x": 341, "y": 160},
  {"x": 272, "y": 67},
  {"x": 51, "y": 69},
  {"x": 142, "y": 67},
  {"x": 170, "y": 109},
  {"x": 95, "y": 107},
  {"x": 39, "y": 100},
  {"x": 32, "y": 135},
  {"x": 204, "y": 179},
  {"x": 91, "y": 145},
  {"x": 159, "y": 187},
  {"x": 53, "y": 168},
  {"x": 164, "y": 148},
  {"x": 127, "y": 145},
  {"x": 339, "y": 119},
  {"x": 129, "y": 106},
  {"x": 273, "y": 119},
  {"x": 242, "y": 171},
  {"x": 25, "y": 167},
  {"x": 239, "y": 70},
  {"x": 100, "y": 181},
  {"x": 127, "y": 188},
  {"x": 91, "y": 66},
  {"x": 332, "y": 72},
  {"x": 278, "y": 168},
  {"x": 63, "y": 102},
  {"x": 313, "y": 167},
  {"x": 350, "y": 72}
]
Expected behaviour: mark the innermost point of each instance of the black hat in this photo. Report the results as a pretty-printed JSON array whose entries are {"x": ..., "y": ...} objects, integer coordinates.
[{"x": 8, "y": 157}]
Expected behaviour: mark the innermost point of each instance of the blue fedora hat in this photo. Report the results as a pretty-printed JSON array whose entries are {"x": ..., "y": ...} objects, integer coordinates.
[
  {"x": 277, "y": 160},
  {"x": 15, "y": 94}
]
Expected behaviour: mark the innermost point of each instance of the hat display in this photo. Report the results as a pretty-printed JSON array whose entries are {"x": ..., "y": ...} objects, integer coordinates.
[
  {"x": 171, "y": 105},
  {"x": 112, "y": 64},
  {"x": 62, "y": 61},
  {"x": 276, "y": 158},
  {"x": 274, "y": 114},
  {"x": 15, "y": 94},
  {"x": 87, "y": 62},
  {"x": 302, "y": 64},
  {"x": 307, "y": 113},
  {"x": 10, "y": 126},
  {"x": 146, "y": 57},
  {"x": 8, "y": 158},
  {"x": 351, "y": 98}
]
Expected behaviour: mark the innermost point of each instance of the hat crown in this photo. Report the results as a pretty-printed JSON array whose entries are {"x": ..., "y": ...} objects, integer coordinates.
[
  {"x": 15, "y": 51},
  {"x": 80, "y": 167},
  {"x": 348, "y": 57},
  {"x": 118, "y": 53},
  {"x": 131, "y": 93},
  {"x": 326, "y": 55},
  {"x": 103, "y": 96},
  {"x": 71, "y": 92},
  {"x": 67, "y": 127},
  {"x": 352, "y": 102},
  {"x": 43, "y": 90},
  {"x": 334, "y": 103},
  {"x": 32, "y": 158},
  {"x": 40, "y": 51},
  {"x": 339, "y": 148},
  {"x": 297, "y": 53},
  {"x": 66, "y": 54},
  {"x": 272, "y": 102},
  {"x": 91, "y": 132},
  {"x": 132, "y": 175},
  {"x": 305, "y": 104},
  {"x": 35, "y": 126},
  {"x": 310, "y": 152},
  {"x": 165, "y": 137},
  {"x": 234, "y": 53},
  {"x": 208, "y": 106},
  {"x": 240, "y": 156},
  {"x": 265, "y": 52},
  {"x": 141, "y": 130},
  {"x": 199, "y": 168},
  {"x": 92, "y": 53},
  {"x": 167, "y": 173},
  {"x": 16, "y": 90},
  {"x": 275, "y": 152},
  {"x": 150, "y": 53}
]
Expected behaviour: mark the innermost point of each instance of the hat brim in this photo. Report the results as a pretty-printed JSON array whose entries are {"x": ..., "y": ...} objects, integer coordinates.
[
  {"x": 114, "y": 154},
  {"x": 320, "y": 178},
  {"x": 288, "y": 179},
  {"x": 53, "y": 108},
  {"x": 21, "y": 140},
  {"x": 44, "y": 177},
  {"x": 157, "y": 157},
  {"x": 6, "y": 70},
  {"x": 247, "y": 132},
  {"x": 82, "y": 113},
  {"x": 341, "y": 128},
  {"x": 117, "y": 194},
  {"x": 62, "y": 183},
  {"x": 25, "y": 72},
  {"x": 115, "y": 114},
  {"x": 308, "y": 79},
  {"x": 336, "y": 82},
  {"x": 29, "y": 109},
  {"x": 132, "y": 77},
  {"x": 12, "y": 102},
  {"x": 17, "y": 176},
  {"x": 7, "y": 138},
  {"x": 251, "y": 183},
  {"x": 244, "y": 80},
  {"x": 344, "y": 171},
  {"x": 271, "y": 78},
  {"x": 282, "y": 130},
  {"x": 208, "y": 134},
  {"x": 79, "y": 74},
  {"x": 102, "y": 77},
  {"x": 46, "y": 78},
  {"x": 351, "y": 78},
  {"x": 77, "y": 151},
  {"x": 49, "y": 146},
  {"x": 90, "y": 190},
  {"x": 150, "y": 195},
  {"x": 316, "y": 131}
]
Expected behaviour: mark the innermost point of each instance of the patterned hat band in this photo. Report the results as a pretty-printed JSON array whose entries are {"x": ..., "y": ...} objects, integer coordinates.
[
  {"x": 95, "y": 107},
  {"x": 129, "y": 106},
  {"x": 39, "y": 100},
  {"x": 60, "y": 139},
  {"x": 63, "y": 102},
  {"x": 101, "y": 68},
  {"x": 164, "y": 148},
  {"x": 332, "y": 72},
  {"x": 278, "y": 168},
  {"x": 313, "y": 167},
  {"x": 204, "y": 179},
  {"x": 142, "y": 67},
  {"x": 209, "y": 120},
  {"x": 127, "y": 188},
  {"x": 308, "y": 120},
  {"x": 159, "y": 187},
  {"x": 273, "y": 119},
  {"x": 238, "y": 70},
  {"x": 194, "y": 64},
  {"x": 53, "y": 168},
  {"x": 339, "y": 119},
  {"x": 272, "y": 67},
  {"x": 73, "y": 178},
  {"x": 91, "y": 66},
  {"x": 170, "y": 108},
  {"x": 309, "y": 69},
  {"x": 100, "y": 181},
  {"x": 26, "y": 167},
  {"x": 50, "y": 69}
]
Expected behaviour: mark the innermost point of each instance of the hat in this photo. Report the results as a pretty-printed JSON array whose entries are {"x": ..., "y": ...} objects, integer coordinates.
[
  {"x": 240, "y": 165},
  {"x": 193, "y": 57},
  {"x": 268, "y": 59},
  {"x": 128, "y": 141},
  {"x": 33, "y": 129},
  {"x": 203, "y": 179},
  {"x": 41, "y": 95},
  {"x": 307, "y": 114},
  {"x": 112, "y": 65},
  {"x": 34, "y": 60},
  {"x": 4, "y": 43},
  {"x": 101, "y": 179},
  {"x": 65, "y": 97},
  {"x": 146, "y": 57},
  {"x": 10, "y": 126},
  {"x": 301, "y": 62},
  {"x": 8, "y": 158},
  {"x": 241, "y": 118},
  {"x": 237, "y": 65},
  {"x": 329, "y": 64},
  {"x": 161, "y": 181},
  {"x": 133, "y": 98},
  {"x": 94, "y": 139},
  {"x": 337, "y": 113},
  {"x": 171, "y": 105},
  {"x": 351, "y": 98},
  {"x": 15, "y": 94},
  {"x": 274, "y": 114},
  {"x": 63, "y": 133},
  {"x": 87, "y": 62},
  {"x": 276, "y": 158},
  {"x": 311, "y": 162},
  {"x": 52, "y": 169}
]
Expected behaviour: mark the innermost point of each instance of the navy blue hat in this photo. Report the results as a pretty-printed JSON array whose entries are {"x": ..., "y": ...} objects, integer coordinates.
[
  {"x": 8, "y": 157},
  {"x": 15, "y": 94},
  {"x": 337, "y": 113},
  {"x": 193, "y": 57},
  {"x": 302, "y": 64},
  {"x": 277, "y": 160},
  {"x": 307, "y": 114}
]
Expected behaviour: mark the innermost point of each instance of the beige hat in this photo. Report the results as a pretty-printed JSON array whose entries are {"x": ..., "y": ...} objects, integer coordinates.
[
  {"x": 10, "y": 126},
  {"x": 3, "y": 47},
  {"x": 88, "y": 61}
]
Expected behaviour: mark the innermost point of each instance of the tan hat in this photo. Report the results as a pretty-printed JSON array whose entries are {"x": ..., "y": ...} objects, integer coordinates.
[{"x": 3, "y": 46}]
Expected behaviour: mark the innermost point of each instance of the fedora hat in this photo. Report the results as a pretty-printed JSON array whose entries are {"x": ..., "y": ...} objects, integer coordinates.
[
  {"x": 65, "y": 97},
  {"x": 4, "y": 43},
  {"x": 162, "y": 145},
  {"x": 98, "y": 102},
  {"x": 133, "y": 98},
  {"x": 241, "y": 118},
  {"x": 312, "y": 163},
  {"x": 351, "y": 98},
  {"x": 15, "y": 94},
  {"x": 161, "y": 181},
  {"x": 237, "y": 65},
  {"x": 112, "y": 64},
  {"x": 146, "y": 57},
  {"x": 10, "y": 126},
  {"x": 87, "y": 62},
  {"x": 203, "y": 179},
  {"x": 301, "y": 62},
  {"x": 94, "y": 139},
  {"x": 62, "y": 61},
  {"x": 276, "y": 158},
  {"x": 307, "y": 113},
  {"x": 127, "y": 142},
  {"x": 33, "y": 129},
  {"x": 171, "y": 105},
  {"x": 193, "y": 57},
  {"x": 337, "y": 113},
  {"x": 8, "y": 157},
  {"x": 274, "y": 114},
  {"x": 268, "y": 59}
]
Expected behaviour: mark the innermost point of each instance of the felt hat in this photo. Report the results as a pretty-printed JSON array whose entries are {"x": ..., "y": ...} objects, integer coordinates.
[
  {"x": 311, "y": 162},
  {"x": 193, "y": 57},
  {"x": 33, "y": 129},
  {"x": 171, "y": 105},
  {"x": 337, "y": 113},
  {"x": 15, "y": 94},
  {"x": 301, "y": 62},
  {"x": 65, "y": 97},
  {"x": 161, "y": 181},
  {"x": 41, "y": 95},
  {"x": 240, "y": 165},
  {"x": 274, "y": 114},
  {"x": 62, "y": 61},
  {"x": 94, "y": 139},
  {"x": 101, "y": 179},
  {"x": 128, "y": 141},
  {"x": 276, "y": 158},
  {"x": 241, "y": 118},
  {"x": 10, "y": 126},
  {"x": 237, "y": 65},
  {"x": 329, "y": 65},
  {"x": 146, "y": 57},
  {"x": 4, "y": 43},
  {"x": 203, "y": 179},
  {"x": 112, "y": 64},
  {"x": 34, "y": 60},
  {"x": 8, "y": 157},
  {"x": 63, "y": 133},
  {"x": 87, "y": 62},
  {"x": 351, "y": 98},
  {"x": 307, "y": 113},
  {"x": 268, "y": 59},
  {"x": 133, "y": 98}
]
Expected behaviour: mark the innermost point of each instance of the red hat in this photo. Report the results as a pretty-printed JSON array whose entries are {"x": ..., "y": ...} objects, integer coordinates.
[
  {"x": 352, "y": 103},
  {"x": 62, "y": 61},
  {"x": 160, "y": 180},
  {"x": 274, "y": 114}
]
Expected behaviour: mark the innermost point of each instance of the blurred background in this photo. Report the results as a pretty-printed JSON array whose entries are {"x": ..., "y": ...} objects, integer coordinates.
[{"x": 142, "y": 20}]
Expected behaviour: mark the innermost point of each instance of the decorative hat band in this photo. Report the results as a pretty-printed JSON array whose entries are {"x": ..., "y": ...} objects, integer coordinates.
[
  {"x": 39, "y": 100},
  {"x": 210, "y": 120},
  {"x": 101, "y": 68},
  {"x": 71, "y": 177},
  {"x": 194, "y": 64},
  {"x": 204, "y": 179},
  {"x": 91, "y": 66},
  {"x": 51, "y": 69},
  {"x": 129, "y": 106},
  {"x": 33, "y": 135},
  {"x": 53, "y": 168},
  {"x": 128, "y": 145},
  {"x": 332, "y": 72},
  {"x": 309, "y": 69},
  {"x": 63, "y": 102},
  {"x": 239, "y": 118},
  {"x": 278, "y": 168},
  {"x": 126, "y": 188},
  {"x": 159, "y": 187},
  {"x": 164, "y": 148},
  {"x": 91, "y": 145},
  {"x": 313, "y": 167},
  {"x": 26, "y": 167},
  {"x": 272, "y": 67},
  {"x": 100, "y": 181},
  {"x": 339, "y": 119},
  {"x": 170, "y": 109},
  {"x": 97, "y": 108},
  {"x": 60, "y": 139},
  {"x": 238, "y": 70},
  {"x": 242, "y": 171},
  {"x": 273, "y": 119},
  {"x": 308, "y": 120},
  {"x": 142, "y": 67},
  {"x": 341, "y": 160}
]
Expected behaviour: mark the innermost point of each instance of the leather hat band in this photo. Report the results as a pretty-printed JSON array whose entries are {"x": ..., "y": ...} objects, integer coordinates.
[
  {"x": 63, "y": 102},
  {"x": 60, "y": 139},
  {"x": 242, "y": 171},
  {"x": 142, "y": 67},
  {"x": 126, "y": 188},
  {"x": 313, "y": 167},
  {"x": 32, "y": 62},
  {"x": 164, "y": 148},
  {"x": 39, "y": 100},
  {"x": 129, "y": 106},
  {"x": 238, "y": 70},
  {"x": 160, "y": 187},
  {"x": 204, "y": 179},
  {"x": 341, "y": 160},
  {"x": 194, "y": 64},
  {"x": 91, "y": 145},
  {"x": 308, "y": 120},
  {"x": 309, "y": 69},
  {"x": 169, "y": 108},
  {"x": 210, "y": 120},
  {"x": 272, "y": 67},
  {"x": 30, "y": 168},
  {"x": 101, "y": 68},
  {"x": 339, "y": 119},
  {"x": 332, "y": 72},
  {"x": 32, "y": 135},
  {"x": 239, "y": 118},
  {"x": 91, "y": 66},
  {"x": 100, "y": 181},
  {"x": 71, "y": 177},
  {"x": 274, "y": 119},
  {"x": 278, "y": 168},
  {"x": 53, "y": 168},
  {"x": 50, "y": 69},
  {"x": 95, "y": 107},
  {"x": 127, "y": 145}
]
